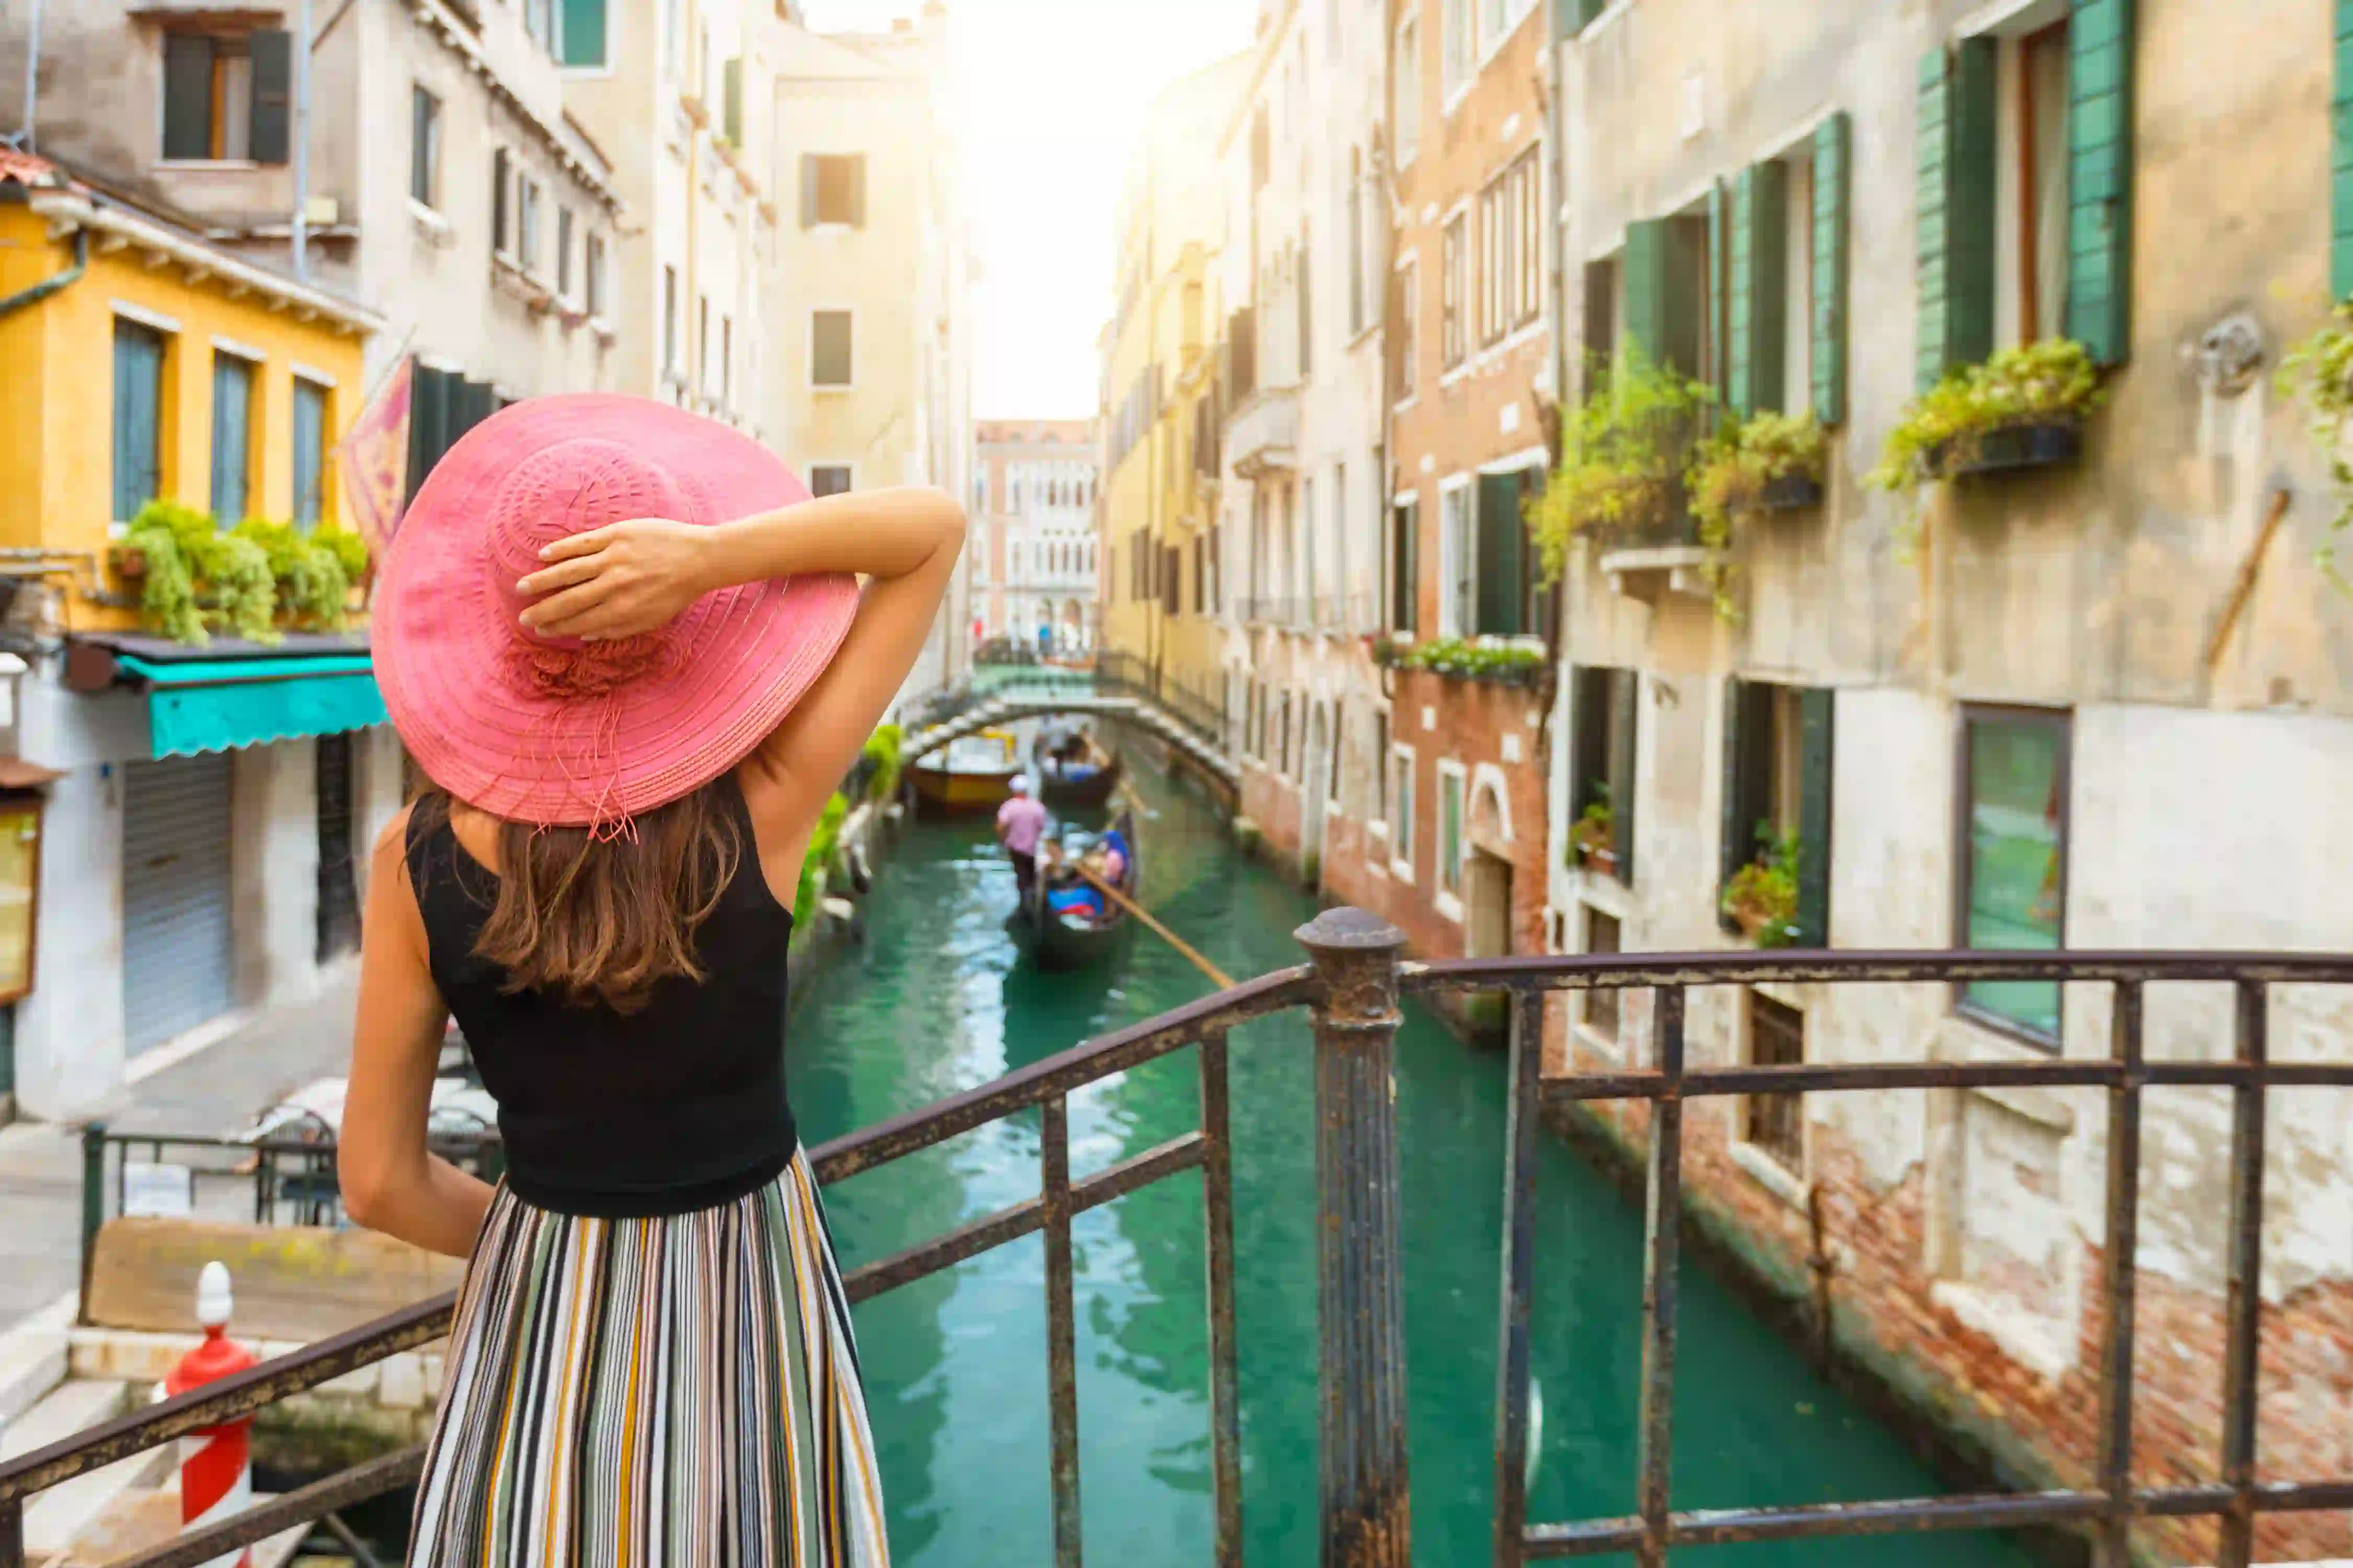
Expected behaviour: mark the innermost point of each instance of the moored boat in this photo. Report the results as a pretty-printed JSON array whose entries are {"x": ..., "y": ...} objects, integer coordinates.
[
  {"x": 969, "y": 776},
  {"x": 1074, "y": 772}
]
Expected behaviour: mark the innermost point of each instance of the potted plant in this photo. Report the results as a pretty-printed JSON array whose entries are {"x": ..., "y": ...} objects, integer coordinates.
[
  {"x": 188, "y": 567},
  {"x": 1593, "y": 836},
  {"x": 2022, "y": 408},
  {"x": 2320, "y": 371},
  {"x": 1621, "y": 457},
  {"x": 1761, "y": 899},
  {"x": 1767, "y": 462}
]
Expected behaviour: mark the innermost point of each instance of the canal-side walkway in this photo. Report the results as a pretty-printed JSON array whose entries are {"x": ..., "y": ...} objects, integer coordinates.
[{"x": 214, "y": 1088}]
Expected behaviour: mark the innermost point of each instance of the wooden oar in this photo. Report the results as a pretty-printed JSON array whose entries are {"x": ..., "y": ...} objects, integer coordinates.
[{"x": 1218, "y": 976}]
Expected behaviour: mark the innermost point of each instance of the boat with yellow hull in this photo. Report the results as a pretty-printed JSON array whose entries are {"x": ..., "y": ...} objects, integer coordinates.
[{"x": 970, "y": 775}]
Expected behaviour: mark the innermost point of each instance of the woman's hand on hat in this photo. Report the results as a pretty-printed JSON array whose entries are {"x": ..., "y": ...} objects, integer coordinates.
[{"x": 618, "y": 581}]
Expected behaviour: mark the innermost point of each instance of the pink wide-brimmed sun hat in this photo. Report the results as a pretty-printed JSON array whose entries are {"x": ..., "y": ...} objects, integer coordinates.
[{"x": 552, "y": 731}]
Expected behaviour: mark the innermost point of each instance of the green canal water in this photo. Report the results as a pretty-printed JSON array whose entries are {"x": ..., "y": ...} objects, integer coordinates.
[{"x": 938, "y": 1000}]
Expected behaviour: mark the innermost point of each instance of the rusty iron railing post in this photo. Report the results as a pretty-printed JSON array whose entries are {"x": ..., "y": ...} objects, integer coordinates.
[{"x": 1359, "y": 1302}]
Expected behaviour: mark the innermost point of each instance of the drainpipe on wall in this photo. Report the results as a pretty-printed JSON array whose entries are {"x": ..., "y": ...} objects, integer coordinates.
[
  {"x": 53, "y": 284},
  {"x": 24, "y": 137}
]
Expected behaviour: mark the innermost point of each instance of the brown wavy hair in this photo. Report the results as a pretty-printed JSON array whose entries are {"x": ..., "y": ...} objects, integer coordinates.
[{"x": 602, "y": 920}]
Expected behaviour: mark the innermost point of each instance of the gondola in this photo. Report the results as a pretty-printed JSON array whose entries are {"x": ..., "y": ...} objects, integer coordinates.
[
  {"x": 972, "y": 775},
  {"x": 1065, "y": 781},
  {"x": 1068, "y": 942}
]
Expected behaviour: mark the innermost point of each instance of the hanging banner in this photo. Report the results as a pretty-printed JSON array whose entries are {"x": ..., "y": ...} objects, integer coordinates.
[{"x": 374, "y": 459}]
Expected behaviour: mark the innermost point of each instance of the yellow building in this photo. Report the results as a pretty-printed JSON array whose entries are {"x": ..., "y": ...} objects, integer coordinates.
[
  {"x": 200, "y": 806},
  {"x": 1159, "y": 419}
]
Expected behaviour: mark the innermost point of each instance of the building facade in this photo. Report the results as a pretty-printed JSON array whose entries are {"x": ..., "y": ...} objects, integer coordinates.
[
  {"x": 2006, "y": 710},
  {"x": 199, "y": 816},
  {"x": 872, "y": 366},
  {"x": 1162, "y": 565},
  {"x": 1305, "y": 429},
  {"x": 1453, "y": 846},
  {"x": 1032, "y": 550}
]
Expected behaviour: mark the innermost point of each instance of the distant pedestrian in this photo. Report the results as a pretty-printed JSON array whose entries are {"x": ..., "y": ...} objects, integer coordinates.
[
  {"x": 632, "y": 655},
  {"x": 1020, "y": 822}
]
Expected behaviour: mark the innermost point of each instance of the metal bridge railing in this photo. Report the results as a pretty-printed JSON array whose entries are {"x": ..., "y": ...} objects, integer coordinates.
[{"x": 1352, "y": 990}]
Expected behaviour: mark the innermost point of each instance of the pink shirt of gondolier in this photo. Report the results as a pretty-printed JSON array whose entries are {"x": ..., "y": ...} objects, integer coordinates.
[{"x": 1022, "y": 822}]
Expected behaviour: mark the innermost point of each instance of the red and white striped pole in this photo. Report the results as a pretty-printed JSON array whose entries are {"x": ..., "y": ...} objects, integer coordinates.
[{"x": 216, "y": 1462}]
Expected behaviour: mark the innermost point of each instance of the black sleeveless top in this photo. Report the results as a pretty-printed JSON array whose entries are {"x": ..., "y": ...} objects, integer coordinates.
[{"x": 677, "y": 1107}]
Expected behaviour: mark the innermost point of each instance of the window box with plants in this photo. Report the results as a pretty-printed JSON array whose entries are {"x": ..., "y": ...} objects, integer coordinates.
[
  {"x": 1622, "y": 459},
  {"x": 2319, "y": 371},
  {"x": 1492, "y": 660},
  {"x": 1768, "y": 462},
  {"x": 1761, "y": 899},
  {"x": 1593, "y": 837},
  {"x": 252, "y": 581},
  {"x": 2023, "y": 409}
]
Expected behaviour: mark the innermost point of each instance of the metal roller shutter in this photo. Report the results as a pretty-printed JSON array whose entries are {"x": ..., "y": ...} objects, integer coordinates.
[
  {"x": 178, "y": 959},
  {"x": 339, "y": 905}
]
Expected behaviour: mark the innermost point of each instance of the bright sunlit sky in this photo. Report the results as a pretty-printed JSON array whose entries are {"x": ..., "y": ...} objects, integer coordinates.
[{"x": 1054, "y": 96}]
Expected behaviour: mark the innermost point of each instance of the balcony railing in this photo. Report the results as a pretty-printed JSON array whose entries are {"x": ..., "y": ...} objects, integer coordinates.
[
  {"x": 1262, "y": 434},
  {"x": 1351, "y": 990}
]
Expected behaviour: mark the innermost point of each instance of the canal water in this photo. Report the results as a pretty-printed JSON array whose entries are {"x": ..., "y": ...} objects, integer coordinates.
[{"x": 938, "y": 1000}]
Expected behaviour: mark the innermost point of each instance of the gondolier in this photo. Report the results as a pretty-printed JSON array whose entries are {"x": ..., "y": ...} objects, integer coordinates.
[{"x": 1020, "y": 822}]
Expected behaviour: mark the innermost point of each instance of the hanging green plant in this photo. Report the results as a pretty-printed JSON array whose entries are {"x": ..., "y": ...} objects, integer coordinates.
[
  {"x": 1748, "y": 467},
  {"x": 1966, "y": 421},
  {"x": 192, "y": 567},
  {"x": 1621, "y": 452},
  {"x": 818, "y": 860},
  {"x": 882, "y": 750},
  {"x": 2319, "y": 371},
  {"x": 1485, "y": 658},
  {"x": 167, "y": 584},
  {"x": 313, "y": 587}
]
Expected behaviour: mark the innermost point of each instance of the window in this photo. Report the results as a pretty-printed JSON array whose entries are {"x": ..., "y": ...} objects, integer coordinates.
[
  {"x": 1778, "y": 762},
  {"x": 501, "y": 213},
  {"x": 1798, "y": 283},
  {"x": 1453, "y": 331},
  {"x": 669, "y": 321},
  {"x": 424, "y": 148},
  {"x": 1606, "y": 710},
  {"x": 138, "y": 418},
  {"x": 1511, "y": 247},
  {"x": 1457, "y": 607},
  {"x": 2013, "y": 855},
  {"x": 1406, "y": 112},
  {"x": 2031, "y": 184},
  {"x": 227, "y": 97},
  {"x": 582, "y": 39},
  {"x": 1408, "y": 328},
  {"x": 1507, "y": 578},
  {"x": 1460, "y": 51},
  {"x": 829, "y": 348},
  {"x": 309, "y": 453},
  {"x": 1306, "y": 310},
  {"x": 1383, "y": 779},
  {"x": 232, "y": 449},
  {"x": 539, "y": 21},
  {"x": 1451, "y": 847},
  {"x": 1602, "y": 934},
  {"x": 1775, "y": 1124},
  {"x": 1402, "y": 825},
  {"x": 833, "y": 189},
  {"x": 704, "y": 361},
  {"x": 727, "y": 360},
  {"x": 1405, "y": 562},
  {"x": 1600, "y": 323},
  {"x": 829, "y": 478},
  {"x": 564, "y": 252},
  {"x": 594, "y": 267}
]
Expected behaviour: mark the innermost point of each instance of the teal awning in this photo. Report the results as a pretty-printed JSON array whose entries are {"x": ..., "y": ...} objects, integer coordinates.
[{"x": 220, "y": 704}]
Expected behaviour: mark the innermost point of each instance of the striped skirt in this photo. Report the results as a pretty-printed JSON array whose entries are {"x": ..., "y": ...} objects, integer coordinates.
[{"x": 670, "y": 1393}]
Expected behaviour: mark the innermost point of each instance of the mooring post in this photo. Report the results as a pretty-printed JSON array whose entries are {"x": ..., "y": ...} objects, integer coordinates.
[{"x": 1360, "y": 1300}]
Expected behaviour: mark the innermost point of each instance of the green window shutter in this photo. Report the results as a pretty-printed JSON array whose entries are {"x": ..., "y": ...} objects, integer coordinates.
[
  {"x": 584, "y": 31},
  {"x": 499, "y": 183},
  {"x": 1816, "y": 754},
  {"x": 2100, "y": 178},
  {"x": 732, "y": 97},
  {"x": 232, "y": 439},
  {"x": 1665, "y": 288},
  {"x": 138, "y": 418},
  {"x": 2340, "y": 259},
  {"x": 187, "y": 95},
  {"x": 1733, "y": 813},
  {"x": 273, "y": 95},
  {"x": 1956, "y": 167},
  {"x": 1759, "y": 287},
  {"x": 432, "y": 393},
  {"x": 1625, "y": 709},
  {"x": 1833, "y": 161},
  {"x": 1570, "y": 18},
  {"x": 1502, "y": 555},
  {"x": 1403, "y": 575},
  {"x": 1715, "y": 280}
]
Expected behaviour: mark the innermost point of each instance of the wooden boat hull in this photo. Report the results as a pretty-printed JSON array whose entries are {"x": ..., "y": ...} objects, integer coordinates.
[
  {"x": 940, "y": 793},
  {"x": 1056, "y": 943},
  {"x": 1085, "y": 794}
]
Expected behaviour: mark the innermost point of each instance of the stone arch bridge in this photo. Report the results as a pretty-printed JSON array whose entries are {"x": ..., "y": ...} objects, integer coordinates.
[{"x": 1185, "y": 740}]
